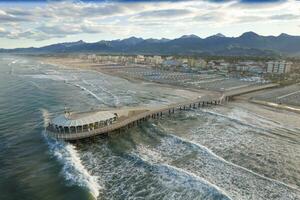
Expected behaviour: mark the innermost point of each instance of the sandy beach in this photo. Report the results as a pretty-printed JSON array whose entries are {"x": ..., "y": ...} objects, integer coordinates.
[{"x": 72, "y": 63}]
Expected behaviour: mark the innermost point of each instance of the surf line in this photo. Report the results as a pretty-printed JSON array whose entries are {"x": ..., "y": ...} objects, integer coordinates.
[
  {"x": 232, "y": 164},
  {"x": 73, "y": 168},
  {"x": 187, "y": 173},
  {"x": 88, "y": 91}
]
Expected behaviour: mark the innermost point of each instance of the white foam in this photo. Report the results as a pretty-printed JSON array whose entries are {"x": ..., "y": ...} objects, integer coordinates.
[
  {"x": 47, "y": 76},
  {"x": 251, "y": 119},
  {"x": 90, "y": 92},
  {"x": 46, "y": 116},
  {"x": 230, "y": 163},
  {"x": 237, "y": 119},
  {"x": 14, "y": 62},
  {"x": 150, "y": 156},
  {"x": 200, "y": 179},
  {"x": 73, "y": 169},
  {"x": 116, "y": 99}
]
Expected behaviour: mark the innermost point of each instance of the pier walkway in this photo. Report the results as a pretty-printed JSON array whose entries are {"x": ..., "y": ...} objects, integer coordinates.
[
  {"x": 138, "y": 115},
  {"x": 149, "y": 113}
]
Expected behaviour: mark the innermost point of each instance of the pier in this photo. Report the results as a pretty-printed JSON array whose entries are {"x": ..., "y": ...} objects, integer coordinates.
[
  {"x": 90, "y": 124},
  {"x": 137, "y": 116}
]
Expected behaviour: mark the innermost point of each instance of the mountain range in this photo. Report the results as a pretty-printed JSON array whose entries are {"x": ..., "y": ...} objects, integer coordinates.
[{"x": 247, "y": 44}]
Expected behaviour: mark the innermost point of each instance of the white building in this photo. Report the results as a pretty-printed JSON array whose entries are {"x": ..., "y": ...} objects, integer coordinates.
[
  {"x": 139, "y": 59},
  {"x": 157, "y": 60},
  {"x": 279, "y": 67}
]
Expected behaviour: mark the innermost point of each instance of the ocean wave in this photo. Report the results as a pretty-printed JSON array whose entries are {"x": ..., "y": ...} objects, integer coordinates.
[
  {"x": 197, "y": 159},
  {"x": 250, "y": 119},
  {"x": 90, "y": 92},
  {"x": 14, "y": 61},
  {"x": 238, "y": 119},
  {"x": 47, "y": 76},
  {"x": 210, "y": 152},
  {"x": 116, "y": 99},
  {"x": 73, "y": 169},
  {"x": 253, "y": 121},
  {"x": 180, "y": 176}
]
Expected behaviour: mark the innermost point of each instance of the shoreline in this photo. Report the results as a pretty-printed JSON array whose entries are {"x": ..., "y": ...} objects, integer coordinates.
[
  {"x": 79, "y": 64},
  {"x": 271, "y": 117},
  {"x": 72, "y": 63}
]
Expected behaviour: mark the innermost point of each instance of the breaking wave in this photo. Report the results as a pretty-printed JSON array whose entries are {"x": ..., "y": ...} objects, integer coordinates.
[
  {"x": 90, "y": 92},
  {"x": 73, "y": 169},
  {"x": 185, "y": 178},
  {"x": 116, "y": 99},
  {"x": 153, "y": 158},
  {"x": 230, "y": 163}
]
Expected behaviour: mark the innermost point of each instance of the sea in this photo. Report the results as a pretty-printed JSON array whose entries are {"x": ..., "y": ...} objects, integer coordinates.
[{"x": 214, "y": 153}]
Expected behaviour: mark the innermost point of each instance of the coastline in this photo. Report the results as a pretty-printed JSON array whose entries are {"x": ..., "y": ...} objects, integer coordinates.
[
  {"x": 72, "y": 63},
  {"x": 244, "y": 109},
  {"x": 244, "y": 101},
  {"x": 102, "y": 68}
]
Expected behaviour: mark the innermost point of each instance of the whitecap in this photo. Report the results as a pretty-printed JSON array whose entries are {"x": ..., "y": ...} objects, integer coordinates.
[{"x": 73, "y": 169}]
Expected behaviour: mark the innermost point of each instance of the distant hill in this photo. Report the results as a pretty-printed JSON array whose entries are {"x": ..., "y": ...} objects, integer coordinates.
[{"x": 248, "y": 44}]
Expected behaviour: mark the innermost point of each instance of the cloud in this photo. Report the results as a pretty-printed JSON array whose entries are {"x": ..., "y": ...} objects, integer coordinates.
[
  {"x": 164, "y": 13},
  {"x": 250, "y": 19},
  {"x": 18, "y": 12},
  {"x": 61, "y": 19},
  {"x": 285, "y": 17},
  {"x": 3, "y": 32},
  {"x": 68, "y": 29},
  {"x": 6, "y": 17},
  {"x": 259, "y": 4},
  {"x": 209, "y": 17}
]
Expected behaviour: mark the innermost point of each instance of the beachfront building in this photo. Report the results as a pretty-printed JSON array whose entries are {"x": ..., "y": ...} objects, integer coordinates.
[
  {"x": 70, "y": 123},
  {"x": 279, "y": 67},
  {"x": 139, "y": 59},
  {"x": 157, "y": 60}
]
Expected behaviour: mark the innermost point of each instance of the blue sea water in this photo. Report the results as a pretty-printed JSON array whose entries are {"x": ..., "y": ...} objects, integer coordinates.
[{"x": 200, "y": 154}]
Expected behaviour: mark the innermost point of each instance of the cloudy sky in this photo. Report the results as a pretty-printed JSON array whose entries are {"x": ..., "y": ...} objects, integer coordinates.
[{"x": 25, "y": 23}]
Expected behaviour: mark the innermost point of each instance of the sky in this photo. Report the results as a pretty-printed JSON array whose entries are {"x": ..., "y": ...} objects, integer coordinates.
[{"x": 26, "y": 23}]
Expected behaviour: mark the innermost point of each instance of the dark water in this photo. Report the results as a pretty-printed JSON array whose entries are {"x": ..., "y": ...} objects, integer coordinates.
[{"x": 213, "y": 153}]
